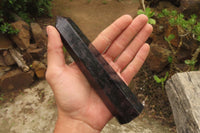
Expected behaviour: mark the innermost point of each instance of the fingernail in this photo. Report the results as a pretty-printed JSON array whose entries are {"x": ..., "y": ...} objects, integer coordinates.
[{"x": 48, "y": 29}]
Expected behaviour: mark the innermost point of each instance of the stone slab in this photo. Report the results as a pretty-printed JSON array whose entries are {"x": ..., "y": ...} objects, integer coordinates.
[{"x": 183, "y": 91}]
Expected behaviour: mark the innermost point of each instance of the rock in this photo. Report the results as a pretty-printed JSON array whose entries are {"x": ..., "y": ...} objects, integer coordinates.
[
  {"x": 22, "y": 39},
  {"x": 8, "y": 59},
  {"x": 2, "y": 63},
  {"x": 33, "y": 46},
  {"x": 158, "y": 58},
  {"x": 173, "y": 30},
  {"x": 183, "y": 54},
  {"x": 184, "y": 67},
  {"x": 189, "y": 7},
  {"x": 15, "y": 79},
  {"x": 36, "y": 53},
  {"x": 31, "y": 73},
  {"x": 28, "y": 58},
  {"x": 39, "y": 68},
  {"x": 38, "y": 35},
  {"x": 154, "y": 3},
  {"x": 183, "y": 90},
  {"x": 5, "y": 43},
  {"x": 4, "y": 69}
]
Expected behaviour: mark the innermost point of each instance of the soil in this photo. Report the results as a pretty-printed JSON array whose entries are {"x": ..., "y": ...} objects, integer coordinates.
[{"x": 34, "y": 111}]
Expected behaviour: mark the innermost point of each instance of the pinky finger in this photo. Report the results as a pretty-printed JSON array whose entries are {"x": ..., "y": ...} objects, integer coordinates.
[{"x": 134, "y": 66}]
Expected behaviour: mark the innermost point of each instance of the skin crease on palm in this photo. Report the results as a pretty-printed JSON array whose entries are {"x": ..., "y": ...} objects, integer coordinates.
[{"x": 79, "y": 107}]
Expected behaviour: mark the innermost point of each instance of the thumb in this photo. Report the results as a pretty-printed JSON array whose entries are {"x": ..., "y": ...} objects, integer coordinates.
[{"x": 55, "y": 55}]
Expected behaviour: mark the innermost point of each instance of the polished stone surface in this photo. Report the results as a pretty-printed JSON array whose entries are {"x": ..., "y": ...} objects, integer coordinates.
[{"x": 116, "y": 95}]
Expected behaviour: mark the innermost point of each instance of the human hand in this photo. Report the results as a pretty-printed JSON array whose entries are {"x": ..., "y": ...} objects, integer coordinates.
[{"x": 79, "y": 107}]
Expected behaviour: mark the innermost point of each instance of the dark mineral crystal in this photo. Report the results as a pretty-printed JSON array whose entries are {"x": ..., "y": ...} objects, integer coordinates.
[{"x": 115, "y": 94}]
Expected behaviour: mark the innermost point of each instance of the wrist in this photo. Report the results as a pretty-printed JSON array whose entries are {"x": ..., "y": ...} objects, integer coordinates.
[{"x": 66, "y": 124}]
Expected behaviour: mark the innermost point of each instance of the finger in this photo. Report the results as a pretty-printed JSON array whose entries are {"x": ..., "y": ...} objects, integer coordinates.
[
  {"x": 55, "y": 56},
  {"x": 107, "y": 36},
  {"x": 136, "y": 64},
  {"x": 129, "y": 53},
  {"x": 124, "y": 39}
]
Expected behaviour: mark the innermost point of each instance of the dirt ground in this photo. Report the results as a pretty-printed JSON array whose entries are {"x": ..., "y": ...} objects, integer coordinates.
[{"x": 34, "y": 111}]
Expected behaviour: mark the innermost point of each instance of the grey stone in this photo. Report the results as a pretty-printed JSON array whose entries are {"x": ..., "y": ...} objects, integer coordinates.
[{"x": 183, "y": 91}]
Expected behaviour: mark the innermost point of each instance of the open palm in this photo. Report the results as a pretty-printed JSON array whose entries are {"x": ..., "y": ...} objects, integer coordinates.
[{"x": 123, "y": 46}]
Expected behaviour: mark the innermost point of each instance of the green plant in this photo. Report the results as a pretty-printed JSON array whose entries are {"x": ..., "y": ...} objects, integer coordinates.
[
  {"x": 64, "y": 49},
  {"x": 169, "y": 38},
  {"x": 186, "y": 26},
  {"x": 104, "y": 2},
  {"x": 1, "y": 97},
  {"x": 191, "y": 63},
  {"x": 161, "y": 80},
  {"x": 170, "y": 59},
  {"x": 26, "y": 9},
  {"x": 149, "y": 14},
  {"x": 6, "y": 28}
]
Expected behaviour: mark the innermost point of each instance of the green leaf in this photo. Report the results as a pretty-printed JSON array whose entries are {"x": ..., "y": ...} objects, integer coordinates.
[
  {"x": 172, "y": 21},
  {"x": 166, "y": 39},
  {"x": 198, "y": 38},
  {"x": 1, "y": 99},
  {"x": 147, "y": 11},
  {"x": 160, "y": 15},
  {"x": 151, "y": 14},
  {"x": 170, "y": 59},
  {"x": 152, "y": 21},
  {"x": 166, "y": 75},
  {"x": 190, "y": 62},
  {"x": 197, "y": 29},
  {"x": 165, "y": 12},
  {"x": 157, "y": 79},
  {"x": 174, "y": 13},
  {"x": 104, "y": 2},
  {"x": 169, "y": 38},
  {"x": 140, "y": 12},
  {"x": 187, "y": 62},
  {"x": 64, "y": 49}
]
